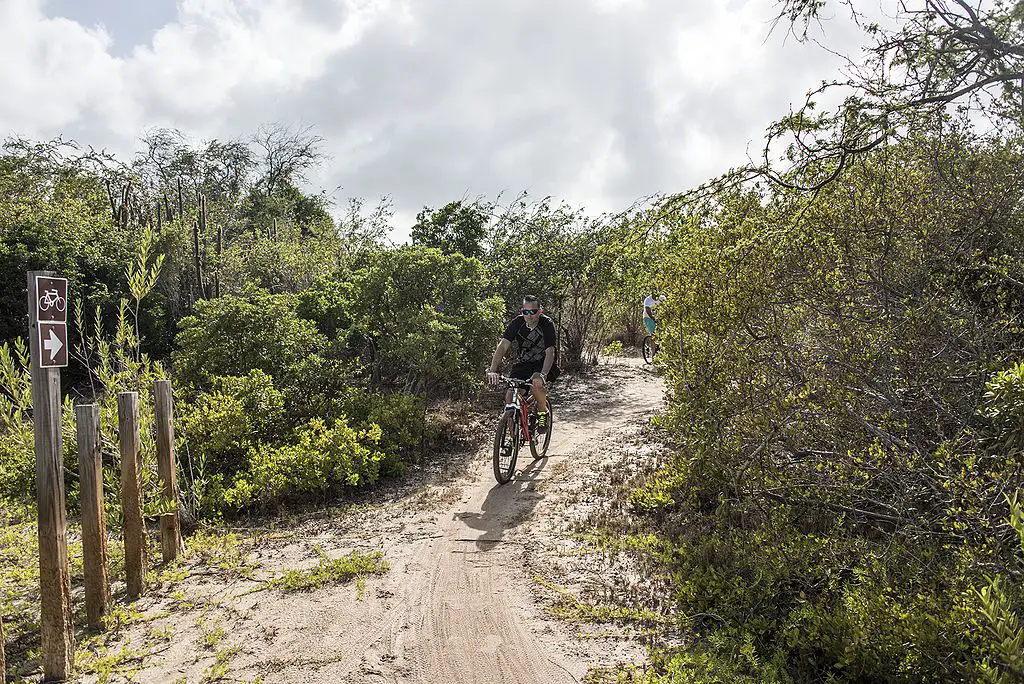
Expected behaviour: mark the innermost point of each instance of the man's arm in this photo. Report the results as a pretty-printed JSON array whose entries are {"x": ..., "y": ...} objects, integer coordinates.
[
  {"x": 549, "y": 361},
  {"x": 499, "y": 354}
]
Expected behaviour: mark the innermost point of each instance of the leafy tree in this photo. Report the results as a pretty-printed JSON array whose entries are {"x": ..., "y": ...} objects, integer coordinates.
[
  {"x": 455, "y": 227},
  {"x": 828, "y": 395},
  {"x": 232, "y": 335},
  {"x": 54, "y": 216},
  {"x": 421, "y": 318},
  {"x": 927, "y": 57}
]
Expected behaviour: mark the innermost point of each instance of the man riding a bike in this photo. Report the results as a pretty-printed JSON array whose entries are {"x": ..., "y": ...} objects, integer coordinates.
[{"x": 533, "y": 334}]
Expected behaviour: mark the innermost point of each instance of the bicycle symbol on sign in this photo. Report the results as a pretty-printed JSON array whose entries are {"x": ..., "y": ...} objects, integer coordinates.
[{"x": 52, "y": 298}]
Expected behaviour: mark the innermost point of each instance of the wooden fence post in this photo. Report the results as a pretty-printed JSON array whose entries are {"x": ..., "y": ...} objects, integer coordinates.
[
  {"x": 94, "y": 517},
  {"x": 170, "y": 523},
  {"x": 131, "y": 497},
  {"x": 56, "y": 626}
]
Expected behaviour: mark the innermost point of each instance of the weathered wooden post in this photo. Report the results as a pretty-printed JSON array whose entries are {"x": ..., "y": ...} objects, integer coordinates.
[
  {"x": 94, "y": 518},
  {"x": 47, "y": 334},
  {"x": 170, "y": 523},
  {"x": 131, "y": 497}
]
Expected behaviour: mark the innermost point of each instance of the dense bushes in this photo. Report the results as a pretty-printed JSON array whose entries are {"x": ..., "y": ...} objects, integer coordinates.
[
  {"x": 309, "y": 394},
  {"x": 321, "y": 459},
  {"x": 232, "y": 335},
  {"x": 848, "y": 431}
]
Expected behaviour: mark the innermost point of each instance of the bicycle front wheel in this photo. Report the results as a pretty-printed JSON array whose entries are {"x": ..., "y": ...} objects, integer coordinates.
[
  {"x": 648, "y": 349},
  {"x": 539, "y": 442},
  {"x": 506, "y": 447}
]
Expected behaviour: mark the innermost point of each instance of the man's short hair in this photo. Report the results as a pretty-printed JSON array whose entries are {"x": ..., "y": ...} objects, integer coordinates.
[{"x": 532, "y": 299}]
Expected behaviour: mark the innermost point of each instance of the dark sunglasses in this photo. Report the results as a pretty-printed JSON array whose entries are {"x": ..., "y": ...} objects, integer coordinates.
[{"x": 530, "y": 312}]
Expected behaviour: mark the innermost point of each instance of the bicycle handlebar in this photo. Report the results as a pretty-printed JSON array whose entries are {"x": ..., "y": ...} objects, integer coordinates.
[{"x": 515, "y": 382}]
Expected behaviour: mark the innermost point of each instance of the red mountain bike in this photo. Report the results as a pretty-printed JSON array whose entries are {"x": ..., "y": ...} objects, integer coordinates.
[{"x": 517, "y": 426}]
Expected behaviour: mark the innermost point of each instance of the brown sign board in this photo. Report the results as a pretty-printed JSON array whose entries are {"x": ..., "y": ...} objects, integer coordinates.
[
  {"x": 52, "y": 302},
  {"x": 53, "y": 344}
]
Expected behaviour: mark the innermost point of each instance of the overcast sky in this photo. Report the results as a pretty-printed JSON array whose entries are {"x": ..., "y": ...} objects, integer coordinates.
[{"x": 596, "y": 102}]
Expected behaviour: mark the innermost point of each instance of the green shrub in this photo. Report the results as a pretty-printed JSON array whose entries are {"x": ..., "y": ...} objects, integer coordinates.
[
  {"x": 229, "y": 336},
  {"x": 613, "y": 348},
  {"x": 321, "y": 459},
  {"x": 402, "y": 419},
  {"x": 1003, "y": 407},
  {"x": 421, "y": 321}
]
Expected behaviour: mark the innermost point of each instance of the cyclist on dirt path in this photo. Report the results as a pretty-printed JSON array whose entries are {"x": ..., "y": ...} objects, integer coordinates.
[{"x": 533, "y": 334}]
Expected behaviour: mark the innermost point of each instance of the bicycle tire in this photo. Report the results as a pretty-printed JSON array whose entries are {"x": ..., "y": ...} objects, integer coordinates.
[
  {"x": 545, "y": 439},
  {"x": 506, "y": 446},
  {"x": 648, "y": 348}
]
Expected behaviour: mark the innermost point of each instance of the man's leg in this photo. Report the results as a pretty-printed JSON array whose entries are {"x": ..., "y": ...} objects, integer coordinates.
[{"x": 539, "y": 392}]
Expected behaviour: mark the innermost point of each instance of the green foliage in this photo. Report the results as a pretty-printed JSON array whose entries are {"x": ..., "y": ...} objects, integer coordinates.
[
  {"x": 456, "y": 227},
  {"x": 831, "y": 507},
  {"x": 1005, "y": 634},
  {"x": 402, "y": 420},
  {"x": 613, "y": 348},
  {"x": 1004, "y": 646},
  {"x": 218, "y": 428},
  {"x": 1004, "y": 408},
  {"x": 323, "y": 458},
  {"x": 566, "y": 259},
  {"x": 331, "y": 571},
  {"x": 231, "y": 335},
  {"x": 17, "y": 449},
  {"x": 283, "y": 262},
  {"x": 420, "y": 319},
  {"x": 55, "y": 215}
]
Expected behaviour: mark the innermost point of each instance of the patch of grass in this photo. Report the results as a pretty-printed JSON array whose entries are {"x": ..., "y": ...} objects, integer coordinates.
[
  {"x": 105, "y": 662},
  {"x": 328, "y": 570},
  {"x": 226, "y": 551},
  {"x": 172, "y": 573},
  {"x": 211, "y": 633},
  {"x": 213, "y": 637},
  {"x": 567, "y": 606},
  {"x": 96, "y": 656},
  {"x": 19, "y": 585}
]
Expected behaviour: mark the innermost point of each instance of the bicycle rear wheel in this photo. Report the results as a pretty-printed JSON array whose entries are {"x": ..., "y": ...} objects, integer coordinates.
[
  {"x": 539, "y": 443},
  {"x": 506, "y": 447},
  {"x": 648, "y": 348}
]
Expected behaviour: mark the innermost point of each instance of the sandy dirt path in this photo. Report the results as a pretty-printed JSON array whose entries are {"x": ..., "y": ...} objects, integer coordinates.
[{"x": 458, "y": 604}]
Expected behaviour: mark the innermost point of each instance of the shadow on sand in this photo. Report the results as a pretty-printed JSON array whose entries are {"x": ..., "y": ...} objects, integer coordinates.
[{"x": 506, "y": 505}]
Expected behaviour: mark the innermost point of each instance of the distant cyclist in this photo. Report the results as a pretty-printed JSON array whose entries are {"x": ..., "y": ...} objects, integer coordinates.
[
  {"x": 651, "y": 301},
  {"x": 533, "y": 334}
]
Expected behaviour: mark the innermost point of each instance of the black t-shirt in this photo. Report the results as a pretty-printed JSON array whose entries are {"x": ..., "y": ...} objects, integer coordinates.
[{"x": 531, "y": 345}]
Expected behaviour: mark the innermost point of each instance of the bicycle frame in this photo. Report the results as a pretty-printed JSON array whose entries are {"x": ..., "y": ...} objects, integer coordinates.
[{"x": 522, "y": 400}]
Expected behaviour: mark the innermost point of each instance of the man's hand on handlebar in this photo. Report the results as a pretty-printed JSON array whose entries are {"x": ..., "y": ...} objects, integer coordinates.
[{"x": 493, "y": 378}]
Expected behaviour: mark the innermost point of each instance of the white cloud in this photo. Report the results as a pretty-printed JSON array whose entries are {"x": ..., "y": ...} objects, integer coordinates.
[{"x": 431, "y": 100}]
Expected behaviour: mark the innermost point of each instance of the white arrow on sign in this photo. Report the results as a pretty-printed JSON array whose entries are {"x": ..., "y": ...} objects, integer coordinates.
[{"x": 53, "y": 345}]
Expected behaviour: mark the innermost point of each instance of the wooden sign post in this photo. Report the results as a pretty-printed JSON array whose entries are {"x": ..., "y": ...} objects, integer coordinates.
[
  {"x": 167, "y": 465},
  {"x": 47, "y": 334},
  {"x": 94, "y": 526},
  {"x": 131, "y": 497}
]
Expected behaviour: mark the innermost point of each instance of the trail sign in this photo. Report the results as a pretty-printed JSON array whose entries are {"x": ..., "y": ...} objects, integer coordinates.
[
  {"x": 53, "y": 344},
  {"x": 47, "y": 334},
  {"x": 52, "y": 299}
]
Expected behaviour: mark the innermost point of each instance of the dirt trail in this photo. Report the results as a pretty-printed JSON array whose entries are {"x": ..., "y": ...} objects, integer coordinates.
[{"x": 458, "y": 603}]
